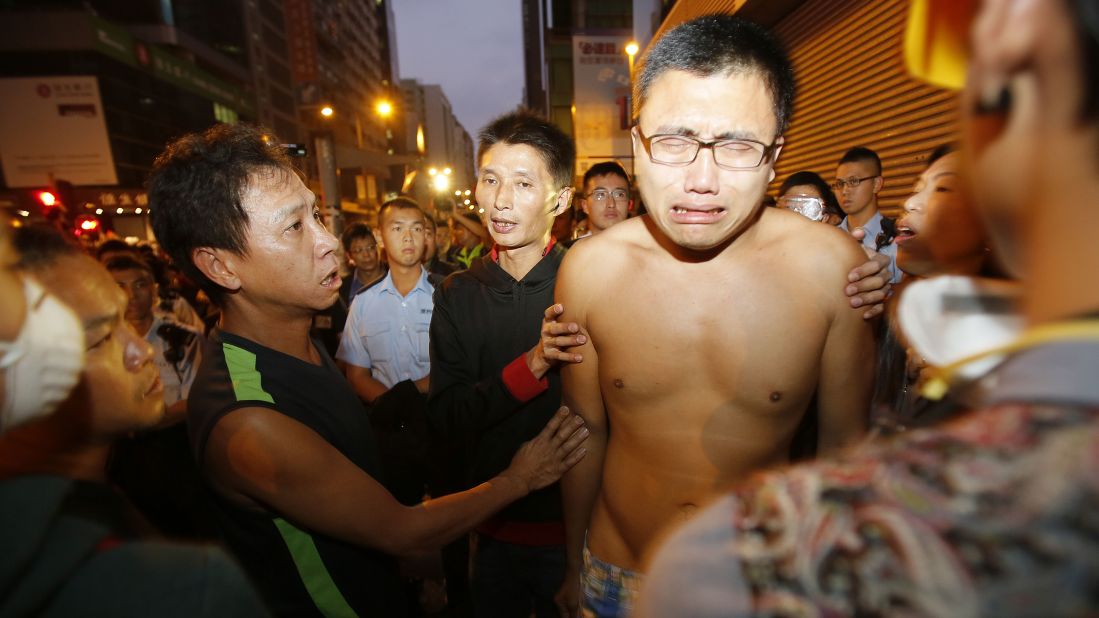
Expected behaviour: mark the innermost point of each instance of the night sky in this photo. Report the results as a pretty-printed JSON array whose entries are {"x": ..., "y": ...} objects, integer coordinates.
[{"x": 472, "y": 48}]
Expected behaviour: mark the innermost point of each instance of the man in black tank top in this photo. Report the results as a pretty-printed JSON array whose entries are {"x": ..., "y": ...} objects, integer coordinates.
[{"x": 281, "y": 438}]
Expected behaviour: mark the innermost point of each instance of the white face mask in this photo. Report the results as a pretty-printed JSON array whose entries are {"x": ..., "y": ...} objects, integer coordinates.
[{"x": 44, "y": 362}]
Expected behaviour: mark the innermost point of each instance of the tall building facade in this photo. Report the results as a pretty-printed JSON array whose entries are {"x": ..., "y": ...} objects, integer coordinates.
[
  {"x": 145, "y": 71},
  {"x": 341, "y": 57},
  {"x": 432, "y": 130}
]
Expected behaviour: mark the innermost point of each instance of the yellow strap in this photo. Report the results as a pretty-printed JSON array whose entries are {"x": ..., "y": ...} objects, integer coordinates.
[{"x": 940, "y": 378}]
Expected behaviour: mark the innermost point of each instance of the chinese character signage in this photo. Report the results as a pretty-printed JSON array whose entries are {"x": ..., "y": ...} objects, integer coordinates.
[
  {"x": 54, "y": 126},
  {"x": 601, "y": 97}
]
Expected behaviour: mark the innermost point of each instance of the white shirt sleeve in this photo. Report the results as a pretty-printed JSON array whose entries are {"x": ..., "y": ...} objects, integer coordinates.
[{"x": 352, "y": 348}]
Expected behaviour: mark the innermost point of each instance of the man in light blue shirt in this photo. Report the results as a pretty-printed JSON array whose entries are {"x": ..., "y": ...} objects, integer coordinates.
[
  {"x": 385, "y": 340},
  {"x": 858, "y": 181}
]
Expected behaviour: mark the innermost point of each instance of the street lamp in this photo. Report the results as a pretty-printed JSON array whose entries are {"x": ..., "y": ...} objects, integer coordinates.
[
  {"x": 441, "y": 182},
  {"x": 631, "y": 50},
  {"x": 384, "y": 108},
  {"x": 327, "y": 111}
]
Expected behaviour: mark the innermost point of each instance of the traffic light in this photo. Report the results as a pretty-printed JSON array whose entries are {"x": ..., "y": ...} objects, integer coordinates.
[
  {"x": 47, "y": 199},
  {"x": 86, "y": 225}
]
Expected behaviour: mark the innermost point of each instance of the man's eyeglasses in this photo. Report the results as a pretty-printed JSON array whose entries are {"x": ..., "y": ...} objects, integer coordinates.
[
  {"x": 842, "y": 183},
  {"x": 602, "y": 195},
  {"x": 682, "y": 150}
]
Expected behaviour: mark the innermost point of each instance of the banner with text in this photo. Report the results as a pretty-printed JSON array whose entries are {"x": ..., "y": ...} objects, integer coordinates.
[
  {"x": 601, "y": 100},
  {"x": 54, "y": 126}
]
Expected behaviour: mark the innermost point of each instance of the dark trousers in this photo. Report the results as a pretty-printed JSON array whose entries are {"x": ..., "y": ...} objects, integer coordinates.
[{"x": 509, "y": 580}]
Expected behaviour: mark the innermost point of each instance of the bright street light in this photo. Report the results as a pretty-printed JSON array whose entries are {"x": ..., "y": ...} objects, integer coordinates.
[
  {"x": 631, "y": 50},
  {"x": 441, "y": 182},
  {"x": 327, "y": 111},
  {"x": 431, "y": 171},
  {"x": 446, "y": 170},
  {"x": 384, "y": 108}
]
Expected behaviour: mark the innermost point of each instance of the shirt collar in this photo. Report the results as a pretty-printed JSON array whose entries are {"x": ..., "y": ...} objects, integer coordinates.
[{"x": 423, "y": 284}]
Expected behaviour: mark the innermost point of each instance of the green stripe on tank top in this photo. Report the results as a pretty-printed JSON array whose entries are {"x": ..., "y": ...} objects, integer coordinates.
[
  {"x": 247, "y": 385},
  {"x": 318, "y": 581}
]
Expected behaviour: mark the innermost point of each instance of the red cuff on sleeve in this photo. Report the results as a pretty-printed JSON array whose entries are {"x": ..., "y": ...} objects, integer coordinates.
[{"x": 521, "y": 383}]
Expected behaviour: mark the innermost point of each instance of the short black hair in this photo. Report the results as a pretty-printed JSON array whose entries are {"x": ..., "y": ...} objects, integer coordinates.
[
  {"x": 720, "y": 44},
  {"x": 831, "y": 204},
  {"x": 864, "y": 154},
  {"x": 354, "y": 232},
  {"x": 940, "y": 151},
  {"x": 113, "y": 245},
  {"x": 40, "y": 246},
  {"x": 401, "y": 202},
  {"x": 606, "y": 168},
  {"x": 526, "y": 127},
  {"x": 196, "y": 187},
  {"x": 129, "y": 262}
]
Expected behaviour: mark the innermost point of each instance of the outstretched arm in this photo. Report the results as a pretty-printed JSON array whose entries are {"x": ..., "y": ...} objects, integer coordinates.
[{"x": 260, "y": 457}]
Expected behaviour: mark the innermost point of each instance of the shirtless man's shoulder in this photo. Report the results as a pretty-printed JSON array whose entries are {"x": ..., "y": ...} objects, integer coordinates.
[{"x": 823, "y": 254}]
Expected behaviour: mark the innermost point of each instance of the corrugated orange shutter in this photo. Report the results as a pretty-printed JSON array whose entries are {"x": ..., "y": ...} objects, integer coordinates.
[{"x": 853, "y": 90}]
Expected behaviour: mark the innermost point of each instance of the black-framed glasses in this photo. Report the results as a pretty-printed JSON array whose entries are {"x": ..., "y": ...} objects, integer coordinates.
[
  {"x": 602, "y": 195},
  {"x": 680, "y": 150},
  {"x": 840, "y": 184}
]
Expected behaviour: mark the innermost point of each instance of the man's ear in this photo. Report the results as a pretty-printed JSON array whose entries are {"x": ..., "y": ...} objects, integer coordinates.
[
  {"x": 879, "y": 182},
  {"x": 219, "y": 266},
  {"x": 629, "y": 206},
  {"x": 779, "y": 143},
  {"x": 378, "y": 237},
  {"x": 564, "y": 198}
]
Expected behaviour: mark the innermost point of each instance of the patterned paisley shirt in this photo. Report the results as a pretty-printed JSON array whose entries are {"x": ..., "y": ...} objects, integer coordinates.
[{"x": 995, "y": 514}]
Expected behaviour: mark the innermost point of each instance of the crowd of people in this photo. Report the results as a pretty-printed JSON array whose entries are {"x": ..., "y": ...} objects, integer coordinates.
[{"x": 695, "y": 405}]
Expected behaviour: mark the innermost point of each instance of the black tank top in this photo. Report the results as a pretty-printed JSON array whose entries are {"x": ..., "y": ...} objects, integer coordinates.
[{"x": 298, "y": 572}]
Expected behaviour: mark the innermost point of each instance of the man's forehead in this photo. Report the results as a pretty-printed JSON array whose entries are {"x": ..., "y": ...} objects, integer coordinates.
[
  {"x": 723, "y": 104},
  {"x": 861, "y": 166},
  {"x": 85, "y": 286},
  {"x": 607, "y": 180},
  {"x": 521, "y": 158},
  {"x": 269, "y": 189},
  {"x": 131, "y": 274},
  {"x": 403, "y": 215}
]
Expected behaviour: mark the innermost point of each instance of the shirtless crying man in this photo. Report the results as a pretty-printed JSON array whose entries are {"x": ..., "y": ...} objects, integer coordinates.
[{"x": 711, "y": 320}]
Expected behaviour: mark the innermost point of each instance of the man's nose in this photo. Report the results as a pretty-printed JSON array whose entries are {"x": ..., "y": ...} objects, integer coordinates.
[
  {"x": 137, "y": 352},
  {"x": 702, "y": 173}
]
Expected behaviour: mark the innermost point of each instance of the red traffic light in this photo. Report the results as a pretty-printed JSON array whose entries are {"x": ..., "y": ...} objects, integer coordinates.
[
  {"x": 47, "y": 198},
  {"x": 86, "y": 224}
]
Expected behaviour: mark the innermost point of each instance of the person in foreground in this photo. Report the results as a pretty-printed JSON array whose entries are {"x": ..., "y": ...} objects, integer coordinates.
[
  {"x": 281, "y": 438},
  {"x": 991, "y": 514},
  {"x": 72, "y": 545},
  {"x": 716, "y": 387}
]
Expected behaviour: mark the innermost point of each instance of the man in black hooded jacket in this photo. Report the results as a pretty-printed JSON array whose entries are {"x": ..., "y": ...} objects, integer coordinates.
[{"x": 493, "y": 376}]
